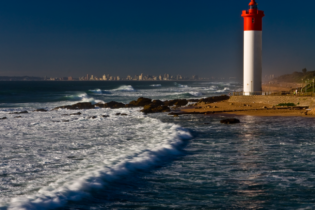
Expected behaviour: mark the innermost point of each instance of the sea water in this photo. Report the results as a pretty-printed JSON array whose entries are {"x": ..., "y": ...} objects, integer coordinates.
[{"x": 100, "y": 160}]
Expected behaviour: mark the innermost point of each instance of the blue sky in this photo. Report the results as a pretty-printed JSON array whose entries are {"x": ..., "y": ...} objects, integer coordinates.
[{"x": 121, "y": 37}]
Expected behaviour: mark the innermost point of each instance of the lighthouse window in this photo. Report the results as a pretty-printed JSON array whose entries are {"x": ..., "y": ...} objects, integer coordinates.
[{"x": 253, "y": 20}]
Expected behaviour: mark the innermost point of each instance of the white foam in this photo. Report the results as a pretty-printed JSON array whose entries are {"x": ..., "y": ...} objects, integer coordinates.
[
  {"x": 47, "y": 174},
  {"x": 99, "y": 91},
  {"x": 182, "y": 86},
  {"x": 224, "y": 90},
  {"x": 195, "y": 93},
  {"x": 125, "y": 88},
  {"x": 156, "y": 85}
]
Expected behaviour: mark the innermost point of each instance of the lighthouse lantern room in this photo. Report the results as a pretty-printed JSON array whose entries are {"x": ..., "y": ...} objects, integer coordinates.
[{"x": 252, "y": 49}]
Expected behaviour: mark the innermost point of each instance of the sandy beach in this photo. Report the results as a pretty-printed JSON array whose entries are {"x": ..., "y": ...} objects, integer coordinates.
[{"x": 252, "y": 109}]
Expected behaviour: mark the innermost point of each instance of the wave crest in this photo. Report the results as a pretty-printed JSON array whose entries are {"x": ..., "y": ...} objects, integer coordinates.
[{"x": 127, "y": 88}]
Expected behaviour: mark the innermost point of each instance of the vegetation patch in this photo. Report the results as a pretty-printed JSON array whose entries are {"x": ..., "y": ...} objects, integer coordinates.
[{"x": 286, "y": 104}]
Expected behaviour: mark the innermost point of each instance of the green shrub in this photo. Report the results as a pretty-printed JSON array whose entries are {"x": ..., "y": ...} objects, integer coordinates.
[{"x": 286, "y": 104}]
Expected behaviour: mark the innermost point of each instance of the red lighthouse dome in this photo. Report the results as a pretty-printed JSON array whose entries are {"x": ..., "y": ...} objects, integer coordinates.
[{"x": 253, "y": 17}]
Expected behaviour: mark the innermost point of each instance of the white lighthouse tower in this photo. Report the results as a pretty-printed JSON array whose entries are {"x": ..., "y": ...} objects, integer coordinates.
[{"x": 252, "y": 49}]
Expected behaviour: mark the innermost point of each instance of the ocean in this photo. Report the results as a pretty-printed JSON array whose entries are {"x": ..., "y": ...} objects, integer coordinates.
[{"x": 53, "y": 160}]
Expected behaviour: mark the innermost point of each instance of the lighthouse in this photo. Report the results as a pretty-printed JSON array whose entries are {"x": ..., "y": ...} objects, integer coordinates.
[{"x": 252, "y": 49}]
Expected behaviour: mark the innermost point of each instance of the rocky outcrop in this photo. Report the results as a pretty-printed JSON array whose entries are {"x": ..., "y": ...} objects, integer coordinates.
[
  {"x": 176, "y": 102},
  {"x": 157, "y": 103},
  {"x": 151, "y": 108},
  {"x": 23, "y": 112},
  {"x": 40, "y": 110},
  {"x": 140, "y": 102},
  {"x": 3, "y": 118},
  {"x": 73, "y": 114},
  {"x": 230, "y": 121},
  {"x": 112, "y": 105},
  {"x": 148, "y": 105},
  {"x": 82, "y": 105},
  {"x": 214, "y": 99}
]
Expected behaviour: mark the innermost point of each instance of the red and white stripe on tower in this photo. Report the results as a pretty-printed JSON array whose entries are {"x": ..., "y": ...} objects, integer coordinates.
[{"x": 252, "y": 49}]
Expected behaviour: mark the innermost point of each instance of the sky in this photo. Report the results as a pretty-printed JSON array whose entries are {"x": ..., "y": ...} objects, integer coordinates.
[{"x": 57, "y": 38}]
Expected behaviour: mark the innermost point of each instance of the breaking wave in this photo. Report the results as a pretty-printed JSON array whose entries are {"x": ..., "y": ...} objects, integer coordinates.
[
  {"x": 195, "y": 93},
  {"x": 224, "y": 90},
  {"x": 125, "y": 88},
  {"x": 152, "y": 149}
]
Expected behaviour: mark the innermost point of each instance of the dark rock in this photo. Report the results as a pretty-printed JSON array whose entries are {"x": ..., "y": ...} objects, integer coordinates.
[
  {"x": 23, "y": 112},
  {"x": 3, "y": 118},
  {"x": 176, "y": 102},
  {"x": 140, "y": 102},
  {"x": 154, "y": 109},
  {"x": 214, "y": 99},
  {"x": 40, "y": 110},
  {"x": 113, "y": 105},
  {"x": 157, "y": 103},
  {"x": 78, "y": 113},
  {"x": 17, "y": 117},
  {"x": 230, "y": 121},
  {"x": 93, "y": 117},
  {"x": 117, "y": 114},
  {"x": 124, "y": 114},
  {"x": 175, "y": 115},
  {"x": 83, "y": 105},
  {"x": 105, "y": 116},
  {"x": 65, "y": 120},
  {"x": 99, "y": 105}
]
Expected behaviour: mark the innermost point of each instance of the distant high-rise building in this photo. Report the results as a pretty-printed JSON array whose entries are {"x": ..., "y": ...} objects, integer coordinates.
[
  {"x": 118, "y": 78},
  {"x": 104, "y": 77},
  {"x": 70, "y": 78},
  {"x": 92, "y": 77},
  {"x": 140, "y": 77}
]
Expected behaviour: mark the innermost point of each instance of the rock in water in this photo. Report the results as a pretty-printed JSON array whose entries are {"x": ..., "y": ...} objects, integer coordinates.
[
  {"x": 140, "y": 102},
  {"x": 83, "y": 105},
  {"x": 40, "y": 110},
  {"x": 112, "y": 105},
  {"x": 23, "y": 112},
  {"x": 176, "y": 102},
  {"x": 230, "y": 121},
  {"x": 3, "y": 118},
  {"x": 154, "y": 109}
]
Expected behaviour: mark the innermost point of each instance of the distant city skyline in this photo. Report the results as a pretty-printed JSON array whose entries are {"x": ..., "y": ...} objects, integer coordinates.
[{"x": 141, "y": 77}]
